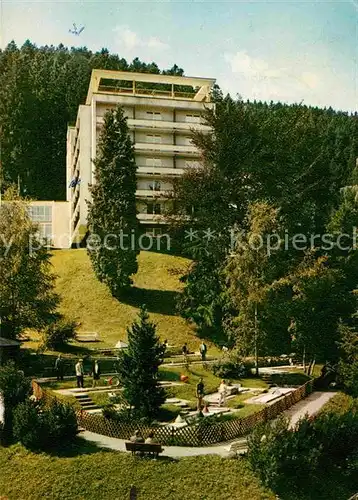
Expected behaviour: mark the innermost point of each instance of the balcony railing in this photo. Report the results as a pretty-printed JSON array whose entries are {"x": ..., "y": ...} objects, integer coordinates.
[
  {"x": 161, "y": 125},
  {"x": 171, "y": 149},
  {"x": 163, "y": 171},
  {"x": 151, "y": 193},
  {"x": 147, "y": 92}
]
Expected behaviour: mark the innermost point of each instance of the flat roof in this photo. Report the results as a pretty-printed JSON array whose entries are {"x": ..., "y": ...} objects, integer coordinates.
[{"x": 204, "y": 84}]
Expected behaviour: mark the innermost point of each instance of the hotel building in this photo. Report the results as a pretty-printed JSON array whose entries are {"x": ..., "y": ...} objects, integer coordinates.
[{"x": 162, "y": 113}]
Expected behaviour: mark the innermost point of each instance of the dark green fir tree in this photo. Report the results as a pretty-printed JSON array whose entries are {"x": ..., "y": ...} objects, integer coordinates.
[
  {"x": 138, "y": 368},
  {"x": 112, "y": 221}
]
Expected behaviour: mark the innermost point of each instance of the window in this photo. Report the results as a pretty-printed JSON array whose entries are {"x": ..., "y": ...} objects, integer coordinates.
[
  {"x": 45, "y": 231},
  {"x": 154, "y": 138},
  {"x": 153, "y": 162},
  {"x": 192, "y": 118},
  {"x": 40, "y": 213},
  {"x": 153, "y": 208},
  {"x": 154, "y": 115},
  {"x": 155, "y": 186}
]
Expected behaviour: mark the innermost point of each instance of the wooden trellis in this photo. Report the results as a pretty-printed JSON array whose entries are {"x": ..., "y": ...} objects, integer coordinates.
[{"x": 199, "y": 434}]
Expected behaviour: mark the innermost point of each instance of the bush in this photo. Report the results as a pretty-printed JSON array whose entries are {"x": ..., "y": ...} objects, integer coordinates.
[
  {"x": 289, "y": 379},
  {"x": 59, "y": 333},
  {"x": 29, "y": 427},
  {"x": 348, "y": 376},
  {"x": 61, "y": 421},
  {"x": 281, "y": 455},
  {"x": 42, "y": 427},
  {"x": 338, "y": 435},
  {"x": 15, "y": 388},
  {"x": 232, "y": 368}
]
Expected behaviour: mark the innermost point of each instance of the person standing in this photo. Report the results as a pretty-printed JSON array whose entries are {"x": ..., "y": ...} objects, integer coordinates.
[
  {"x": 222, "y": 393},
  {"x": 203, "y": 350},
  {"x": 79, "y": 373},
  {"x": 185, "y": 352},
  {"x": 96, "y": 372},
  {"x": 200, "y": 389},
  {"x": 59, "y": 368}
]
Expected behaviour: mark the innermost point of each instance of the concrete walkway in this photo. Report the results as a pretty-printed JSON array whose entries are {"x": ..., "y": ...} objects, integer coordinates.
[
  {"x": 310, "y": 405},
  {"x": 169, "y": 451}
]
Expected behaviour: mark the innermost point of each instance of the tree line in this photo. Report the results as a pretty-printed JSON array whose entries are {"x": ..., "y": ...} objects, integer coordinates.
[{"x": 271, "y": 171}]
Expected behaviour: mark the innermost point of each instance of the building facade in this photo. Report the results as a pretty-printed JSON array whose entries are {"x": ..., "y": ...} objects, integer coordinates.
[
  {"x": 53, "y": 222},
  {"x": 162, "y": 112}
]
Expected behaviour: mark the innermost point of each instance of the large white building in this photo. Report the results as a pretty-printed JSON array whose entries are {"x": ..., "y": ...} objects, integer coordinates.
[{"x": 162, "y": 112}]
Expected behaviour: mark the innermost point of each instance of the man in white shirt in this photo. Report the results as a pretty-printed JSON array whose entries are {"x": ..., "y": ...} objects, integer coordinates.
[
  {"x": 222, "y": 393},
  {"x": 79, "y": 373}
]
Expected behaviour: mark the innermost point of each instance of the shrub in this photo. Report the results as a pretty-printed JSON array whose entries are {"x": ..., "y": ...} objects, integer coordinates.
[
  {"x": 15, "y": 388},
  {"x": 232, "y": 368},
  {"x": 348, "y": 376},
  {"x": 280, "y": 455},
  {"x": 29, "y": 427},
  {"x": 61, "y": 422},
  {"x": 290, "y": 379},
  {"x": 59, "y": 333},
  {"x": 338, "y": 435},
  {"x": 42, "y": 427}
]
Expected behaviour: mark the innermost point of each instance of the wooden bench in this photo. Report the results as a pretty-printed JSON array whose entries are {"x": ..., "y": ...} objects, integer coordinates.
[
  {"x": 87, "y": 337},
  {"x": 144, "y": 448}
]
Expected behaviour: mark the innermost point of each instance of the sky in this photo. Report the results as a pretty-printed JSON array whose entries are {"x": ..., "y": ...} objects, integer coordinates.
[{"x": 288, "y": 51}]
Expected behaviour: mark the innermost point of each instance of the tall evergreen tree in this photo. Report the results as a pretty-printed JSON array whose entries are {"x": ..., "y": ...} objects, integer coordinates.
[
  {"x": 112, "y": 217},
  {"x": 138, "y": 368}
]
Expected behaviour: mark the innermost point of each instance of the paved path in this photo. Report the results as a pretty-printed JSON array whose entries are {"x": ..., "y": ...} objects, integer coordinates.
[
  {"x": 169, "y": 451},
  {"x": 310, "y": 405}
]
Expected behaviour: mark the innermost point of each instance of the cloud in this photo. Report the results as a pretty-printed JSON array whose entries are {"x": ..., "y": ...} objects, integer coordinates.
[
  {"x": 250, "y": 67},
  {"x": 129, "y": 40},
  {"x": 286, "y": 79}
]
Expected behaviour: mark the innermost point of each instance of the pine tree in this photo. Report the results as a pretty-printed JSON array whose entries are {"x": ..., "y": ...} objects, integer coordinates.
[
  {"x": 112, "y": 217},
  {"x": 138, "y": 368}
]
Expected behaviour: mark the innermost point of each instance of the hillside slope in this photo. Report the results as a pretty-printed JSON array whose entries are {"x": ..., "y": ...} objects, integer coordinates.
[{"x": 89, "y": 302}]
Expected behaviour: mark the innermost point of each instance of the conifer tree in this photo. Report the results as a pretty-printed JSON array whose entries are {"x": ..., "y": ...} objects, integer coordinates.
[
  {"x": 138, "y": 368},
  {"x": 112, "y": 217}
]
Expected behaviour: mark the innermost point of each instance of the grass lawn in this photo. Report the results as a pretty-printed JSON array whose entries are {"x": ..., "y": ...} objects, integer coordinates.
[
  {"x": 89, "y": 473},
  {"x": 340, "y": 403},
  {"x": 184, "y": 391},
  {"x": 89, "y": 302},
  {"x": 86, "y": 472}
]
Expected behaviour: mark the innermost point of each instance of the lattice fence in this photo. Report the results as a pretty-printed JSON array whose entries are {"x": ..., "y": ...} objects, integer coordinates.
[{"x": 192, "y": 435}]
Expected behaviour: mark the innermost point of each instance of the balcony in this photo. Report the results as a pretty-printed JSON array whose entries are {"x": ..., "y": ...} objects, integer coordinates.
[
  {"x": 151, "y": 92},
  {"x": 143, "y": 171},
  {"x": 167, "y": 149},
  {"x": 161, "y": 125},
  {"x": 151, "y": 218},
  {"x": 151, "y": 193}
]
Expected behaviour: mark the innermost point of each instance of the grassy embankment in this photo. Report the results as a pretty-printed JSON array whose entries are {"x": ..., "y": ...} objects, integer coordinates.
[{"x": 89, "y": 302}]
